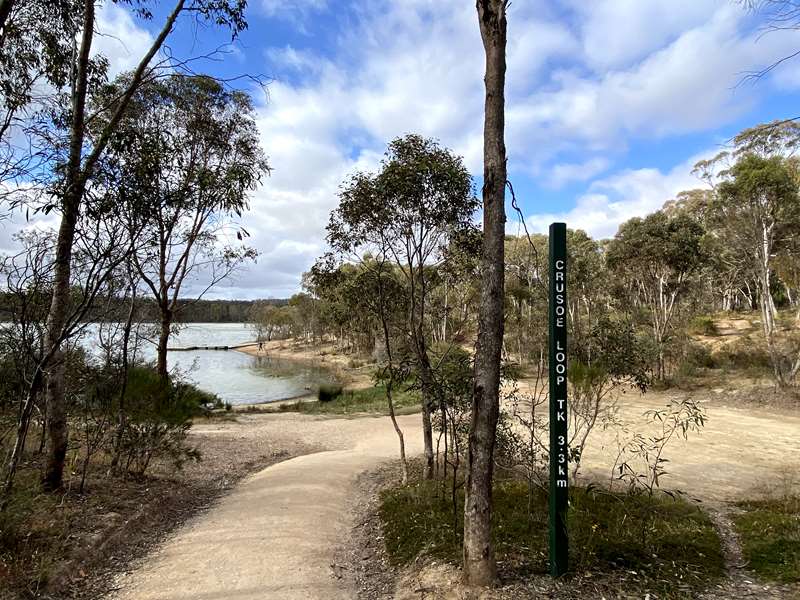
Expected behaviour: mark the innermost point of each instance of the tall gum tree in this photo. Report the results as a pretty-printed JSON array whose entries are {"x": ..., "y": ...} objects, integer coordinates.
[
  {"x": 758, "y": 209},
  {"x": 189, "y": 154},
  {"x": 420, "y": 198},
  {"x": 754, "y": 212},
  {"x": 657, "y": 257},
  {"x": 81, "y": 160},
  {"x": 480, "y": 568}
]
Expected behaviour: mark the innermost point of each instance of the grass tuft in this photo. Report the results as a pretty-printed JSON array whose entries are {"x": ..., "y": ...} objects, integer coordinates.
[{"x": 769, "y": 531}]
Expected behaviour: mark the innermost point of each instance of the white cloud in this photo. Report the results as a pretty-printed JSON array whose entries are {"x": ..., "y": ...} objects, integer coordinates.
[
  {"x": 296, "y": 11},
  {"x": 119, "y": 38},
  {"x": 275, "y": 7},
  {"x": 618, "y": 33},
  {"x": 686, "y": 86},
  {"x": 584, "y": 80},
  {"x": 619, "y": 197},
  {"x": 563, "y": 173}
]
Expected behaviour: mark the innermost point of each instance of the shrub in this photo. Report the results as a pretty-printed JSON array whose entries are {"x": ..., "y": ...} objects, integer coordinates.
[
  {"x": 656, "y": 544},
  {"x": 158, "y": 420},
  {"x": 745, "y": 354},
  {"x": 329, "y": 392},
  {"x": 703, "y": 326}
]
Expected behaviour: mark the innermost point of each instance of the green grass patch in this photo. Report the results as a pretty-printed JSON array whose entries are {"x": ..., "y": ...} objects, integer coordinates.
[
  {"x": 368, "y": 400},
  {"x": 769, "y": 531},
  {"x": 659, "y": 544}
]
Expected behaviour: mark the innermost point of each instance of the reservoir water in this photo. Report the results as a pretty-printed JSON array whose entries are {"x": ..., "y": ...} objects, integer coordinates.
[{"x": 235, "y": 377}]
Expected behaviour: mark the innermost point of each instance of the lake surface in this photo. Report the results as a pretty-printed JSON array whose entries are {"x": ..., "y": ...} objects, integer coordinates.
[{"x": 235, "y": 377}]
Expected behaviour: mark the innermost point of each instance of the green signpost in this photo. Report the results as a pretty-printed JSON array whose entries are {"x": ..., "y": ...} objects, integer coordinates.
[{"x": 559, "y": 448}]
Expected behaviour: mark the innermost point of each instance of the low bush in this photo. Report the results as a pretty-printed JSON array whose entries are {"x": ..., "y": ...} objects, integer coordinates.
[
  {"x": 329, "y": 392},
  {"x": 657, "y": 544},
  {"x": 744, "y": 354},
  {"x": 158, "y": 420}
]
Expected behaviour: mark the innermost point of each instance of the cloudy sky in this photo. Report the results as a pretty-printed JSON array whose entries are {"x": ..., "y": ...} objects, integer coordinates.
[{"x": 609, "y": 102}]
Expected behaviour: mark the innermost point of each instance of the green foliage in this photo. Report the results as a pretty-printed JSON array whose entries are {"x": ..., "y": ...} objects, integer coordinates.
[
  {"x": 657, "y": 243},
  {"x": 694, "y": 359},
  {"x": 329, "y": 392},
  {"x": 769, "y": 531},
  {"x": 158, "y": 420},
  {"x": 745, "y": 354},
  {"x": 148, "y": 398},
  {"x": 641, "y": 461},
  {"x": 421, "y": 187},
  {"x": 667, "y": 544}
]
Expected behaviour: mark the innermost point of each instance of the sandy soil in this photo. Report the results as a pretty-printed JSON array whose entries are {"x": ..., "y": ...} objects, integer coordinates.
[
  {"x": 739, "y": 453},
  {"x": 276, "y": 534}
]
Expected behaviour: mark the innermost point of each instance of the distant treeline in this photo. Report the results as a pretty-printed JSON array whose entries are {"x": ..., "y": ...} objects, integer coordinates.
[{"x": 189, "y": 311}]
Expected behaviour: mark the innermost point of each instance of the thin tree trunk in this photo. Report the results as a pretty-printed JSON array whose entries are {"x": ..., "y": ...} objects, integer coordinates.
[
  {"x": 122, "y": 419},
  {"x": 5, "y": 12},
  {"x": 74, "y": 185},
  {"x": 163, "y": 341},
  {"x": 426, "y": 377},
  {"x": 479, "y": 563},
  {"x": 390, "y": 385}
]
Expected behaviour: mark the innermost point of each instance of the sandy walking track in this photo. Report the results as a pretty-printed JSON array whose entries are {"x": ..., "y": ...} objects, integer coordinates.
[{"x": 275, "y": 535}]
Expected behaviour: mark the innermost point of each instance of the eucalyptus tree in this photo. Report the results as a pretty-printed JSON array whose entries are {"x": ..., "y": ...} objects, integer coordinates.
[
  {"x": 187, "y": 154},
  {"x": 656, "y": 257},
  {"x": 101, "y": 246},
  {"x": 480, "y": 568},
  {"x": 35, "y": 63},
  {"x": 73, "y": 167},
  {"x": 526, "y": 296},
  {"x": 420, "y": 198},
  {"x": 726, "y": 275},
  {"x": 757, "y": 210}
]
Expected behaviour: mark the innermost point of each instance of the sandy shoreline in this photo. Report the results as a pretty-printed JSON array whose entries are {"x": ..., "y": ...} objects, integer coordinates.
[{"x": 351, "y": 372}]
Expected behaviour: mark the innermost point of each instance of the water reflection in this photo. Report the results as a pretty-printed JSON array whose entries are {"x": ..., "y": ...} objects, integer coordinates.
[{"x": 235, "y": 377}]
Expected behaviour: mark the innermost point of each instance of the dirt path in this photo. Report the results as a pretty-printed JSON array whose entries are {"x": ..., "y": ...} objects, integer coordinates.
[
  {"x": 275, "y": 535},
  {"x": 740, "y": 451}
]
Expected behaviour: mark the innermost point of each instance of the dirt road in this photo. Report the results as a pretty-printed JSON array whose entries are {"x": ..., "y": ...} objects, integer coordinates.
[{"x": 275, "y": 535}]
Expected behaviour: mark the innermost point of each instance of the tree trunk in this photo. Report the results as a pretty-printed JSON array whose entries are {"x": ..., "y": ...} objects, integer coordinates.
[
  {"x": 479, "y": 563},
  {"x": 5, "y": 12},
  {"x": 428, "y": 403},
  {"x": 163, "y": 341},
  {"x": 390, "y": 384},
  {"x": 74, "y": 184},
  {"x": 122, "y": 418}
]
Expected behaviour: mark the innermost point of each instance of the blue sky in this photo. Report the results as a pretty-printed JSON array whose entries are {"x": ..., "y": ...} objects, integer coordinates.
[{"x": 609, "y": 102}]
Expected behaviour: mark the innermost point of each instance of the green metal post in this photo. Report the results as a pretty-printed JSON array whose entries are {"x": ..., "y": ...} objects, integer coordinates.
[{"x": 559, "y": 450}]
